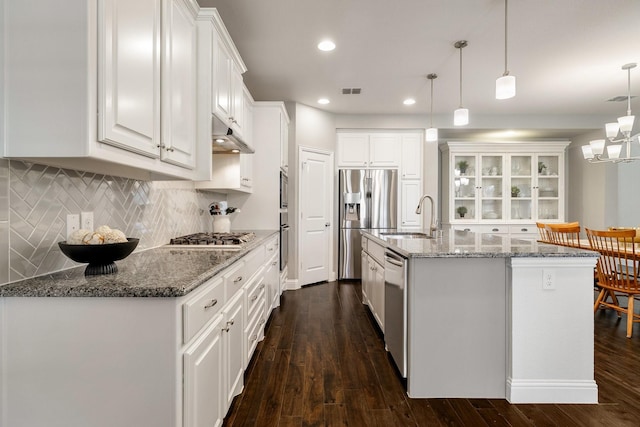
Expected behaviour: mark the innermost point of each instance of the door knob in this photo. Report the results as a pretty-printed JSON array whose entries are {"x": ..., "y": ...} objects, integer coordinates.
[{"x": 327, "y": 224}]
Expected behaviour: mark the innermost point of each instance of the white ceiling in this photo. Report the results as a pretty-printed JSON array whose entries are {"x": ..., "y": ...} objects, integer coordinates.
[{"x": 566, "y": 54}]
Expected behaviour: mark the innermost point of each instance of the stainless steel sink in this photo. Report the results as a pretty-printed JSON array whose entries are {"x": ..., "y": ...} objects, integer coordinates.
[{"x": 405, "y": 235}]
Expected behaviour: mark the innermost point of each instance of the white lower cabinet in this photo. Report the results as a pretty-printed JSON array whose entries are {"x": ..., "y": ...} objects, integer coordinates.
[
  {"x": 233, "y": 345},
  {"x": 202, "y": 378},
  {"x": 373, "y": 280}
]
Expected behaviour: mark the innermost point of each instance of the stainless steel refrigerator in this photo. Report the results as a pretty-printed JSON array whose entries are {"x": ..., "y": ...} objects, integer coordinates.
[{"x": 368, "y": 199}]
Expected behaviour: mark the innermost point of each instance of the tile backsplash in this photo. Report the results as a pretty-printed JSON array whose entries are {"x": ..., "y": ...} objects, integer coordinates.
[{"x": 35, "y": 200}]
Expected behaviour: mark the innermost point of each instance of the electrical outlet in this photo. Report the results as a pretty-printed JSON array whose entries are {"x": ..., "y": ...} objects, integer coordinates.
[
  {"x": 548, "y": 279},
  {"x": 86, "y": 220},
  {"x": 73, "y": 223}
]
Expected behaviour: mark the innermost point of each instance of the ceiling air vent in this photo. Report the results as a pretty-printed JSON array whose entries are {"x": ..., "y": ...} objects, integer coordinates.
[
  {"x": 351, "y": 91},
  {"x": 619, "y": 98}
]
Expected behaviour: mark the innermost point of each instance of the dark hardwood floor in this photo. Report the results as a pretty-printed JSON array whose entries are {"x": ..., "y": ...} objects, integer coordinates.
[{"x": 323, "y": 363}]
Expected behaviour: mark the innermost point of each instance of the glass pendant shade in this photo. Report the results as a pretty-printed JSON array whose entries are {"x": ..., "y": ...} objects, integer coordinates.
[
  {"x": 613, "y": 151},
  {"x": 612, "y": 129},
  {"x": 626, "y": 123},
  {"x": 587, "y": 153},
  {"x": 432, "y": 134},
  {"x": 597, "y": 146},
  {"x": 505, "y": 87},
  {"x": 461, "y": 117}
]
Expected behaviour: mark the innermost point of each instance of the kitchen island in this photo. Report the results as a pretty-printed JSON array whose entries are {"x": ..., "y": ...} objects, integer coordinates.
[
  {"x": 492, "y": 317},
  {"x": 162, "y": 342}
]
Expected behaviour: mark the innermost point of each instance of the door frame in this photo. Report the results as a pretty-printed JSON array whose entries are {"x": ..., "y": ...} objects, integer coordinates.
[{"x": 332, "y": 274}]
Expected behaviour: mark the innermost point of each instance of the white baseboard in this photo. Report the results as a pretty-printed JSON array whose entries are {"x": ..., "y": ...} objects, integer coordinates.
[
  {"x": 549, "y": 391},
  {"x": 291, "y": 285}
]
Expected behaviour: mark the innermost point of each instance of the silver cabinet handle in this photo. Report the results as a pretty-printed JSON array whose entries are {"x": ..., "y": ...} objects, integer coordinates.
[
  {"x": 327, "y": 224},
  {"x": 211, "y": 304},
  {"x": 271, "y": 249},
  {"x": 467, "y": 229},
  {"x": 253, "y": 298},
  {"x": 253, "y": 338},
  {"x": 496, "y": 229},
  {"x": 274, "y": 262},
  {"x": 262, "y": 322},
  {"x": 231, "y": 322},
  {"x": 524, "y": 229},
  {"x": 237, "y": 279},
  {"x": 262, "y": 286}
]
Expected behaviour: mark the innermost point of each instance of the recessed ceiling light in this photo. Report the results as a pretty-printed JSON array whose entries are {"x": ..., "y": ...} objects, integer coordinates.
[
  {"x": 326, "y": 45},
  {"x": 219, "y": 140},
  {"x": 323, "y": 101},
  {"x": 235, "y": 151},
  {"x": 409, "y": 101}
]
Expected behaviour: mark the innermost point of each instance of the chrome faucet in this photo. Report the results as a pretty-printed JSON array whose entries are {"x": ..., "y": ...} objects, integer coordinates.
[{"x": 432, "y": 224}]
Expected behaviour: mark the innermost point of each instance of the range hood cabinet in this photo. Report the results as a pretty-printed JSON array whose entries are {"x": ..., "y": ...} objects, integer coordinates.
[{"x": 224, "y": 140}]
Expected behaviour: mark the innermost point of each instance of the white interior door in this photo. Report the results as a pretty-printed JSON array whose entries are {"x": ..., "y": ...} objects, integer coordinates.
[{"x": 315, "y": 215}]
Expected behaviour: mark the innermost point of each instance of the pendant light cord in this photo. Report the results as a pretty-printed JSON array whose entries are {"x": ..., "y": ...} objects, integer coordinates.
[
  {"x": 506, "y": 17},
  {"x": 629, "y": 91},
  {"x": 431, "y": 113},
  {"x": 460, "y": 75}
]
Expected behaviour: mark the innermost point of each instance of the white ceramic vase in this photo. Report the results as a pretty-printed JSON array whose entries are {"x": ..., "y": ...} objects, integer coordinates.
[{"x": 221, "y": 224}]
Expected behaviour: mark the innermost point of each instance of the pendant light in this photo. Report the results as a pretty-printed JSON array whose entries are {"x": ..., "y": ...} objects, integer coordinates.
[
  {"x": 461, "y": 115},
  {"x": 432, "y": 133},
  {"x": 505, "y": 85}
]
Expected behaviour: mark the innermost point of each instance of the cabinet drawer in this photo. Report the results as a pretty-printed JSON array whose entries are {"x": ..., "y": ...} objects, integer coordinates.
[
  {"x": 376, "y": 251},
  {"x": 235, "y": 278},
  {"x": 197, "y": 312},
  {"x": 255, "y": 332},
  {"x": 255, "y": 297},
  {"x": 254, "y": 261},
  {"x": 530, "y": 229},
  {"x": 494, "y": 229},
  {"x": 271, "y": 247}
]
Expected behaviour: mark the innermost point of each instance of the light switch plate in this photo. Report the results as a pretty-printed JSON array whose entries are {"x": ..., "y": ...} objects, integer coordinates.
[
  {"x": 73, "y": 223},
  {"x": 86, "y": 220}
]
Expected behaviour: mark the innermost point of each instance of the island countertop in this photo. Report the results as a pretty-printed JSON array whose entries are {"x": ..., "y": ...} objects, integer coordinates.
[
  {"x": 466, "y": 244},
  {"x": 158, "y": 272}
]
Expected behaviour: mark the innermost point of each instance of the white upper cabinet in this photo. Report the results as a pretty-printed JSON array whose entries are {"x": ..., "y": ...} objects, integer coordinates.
[
  {"x": 179, "y": 84},
  {"x": 228, "y": 87},
  {"x": 284, "y": 140},
  {"x": 117, "y": 58},
  {"x": 384, "y": 150},
  {"x": 363, "y": 150},
  {"x": 129, "y": 91}
]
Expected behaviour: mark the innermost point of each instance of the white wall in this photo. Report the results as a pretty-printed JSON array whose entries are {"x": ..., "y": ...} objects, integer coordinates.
[{"x": 601, "y": 195}]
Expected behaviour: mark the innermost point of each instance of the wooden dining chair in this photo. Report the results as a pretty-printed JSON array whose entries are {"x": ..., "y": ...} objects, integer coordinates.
[
  {"x": 565, "y": 234},
  {"x": 617, "y": 270},
  {"x": 544, "y": 233}
]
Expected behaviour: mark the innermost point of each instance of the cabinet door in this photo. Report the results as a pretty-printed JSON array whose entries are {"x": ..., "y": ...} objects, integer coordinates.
[
  {"x": 272, "y": 279},
  {"x": 353, "y": 150},
  {"x": 237, "y": 101},
  {"x": 284, "y": 142},
  {"x": 247, "y": 117},
  {"x": 129, "y": 80},
  {"x": 549, "y": 187},
  {"x": 411, "y": 192},
  {"x": 233, "y": 348},
  {"x": 384, "y": 150},
  {"x": 179, "y": 85},
  {"x": 411, "y": 157},
  {"x": 203, "y": 379},
  {"x": 521, "y": 191},
  {"x": 364, "y": 274},
  {"x": 463, "y": 187},
  {"x": 222, "y": 81},
  {"x": 246, "y": 170},
  {"x": 491, "y": 187}
]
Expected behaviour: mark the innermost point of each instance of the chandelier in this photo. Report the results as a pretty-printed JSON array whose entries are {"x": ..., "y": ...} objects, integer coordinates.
[{"x": 594, "y": 152}]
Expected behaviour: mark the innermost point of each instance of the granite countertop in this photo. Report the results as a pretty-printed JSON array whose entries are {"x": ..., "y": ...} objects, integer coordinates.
[
  {"x": 158, "y": 272},
  {"x": 466, "y": 244}
]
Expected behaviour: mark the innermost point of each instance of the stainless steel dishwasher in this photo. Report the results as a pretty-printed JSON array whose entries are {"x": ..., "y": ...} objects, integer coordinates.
[{"x": 395, "y": 308}]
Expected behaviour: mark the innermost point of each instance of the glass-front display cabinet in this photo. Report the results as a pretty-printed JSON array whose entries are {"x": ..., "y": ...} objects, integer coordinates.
[{"x": 503, "y": 182}]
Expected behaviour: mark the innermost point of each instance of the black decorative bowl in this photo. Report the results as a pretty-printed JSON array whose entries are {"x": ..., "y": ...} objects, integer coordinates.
[{"x": 100, "y": 257}]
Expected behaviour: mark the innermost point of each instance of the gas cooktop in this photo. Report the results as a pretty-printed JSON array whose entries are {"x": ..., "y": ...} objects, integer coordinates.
[{"x": 215, "y": 240}]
